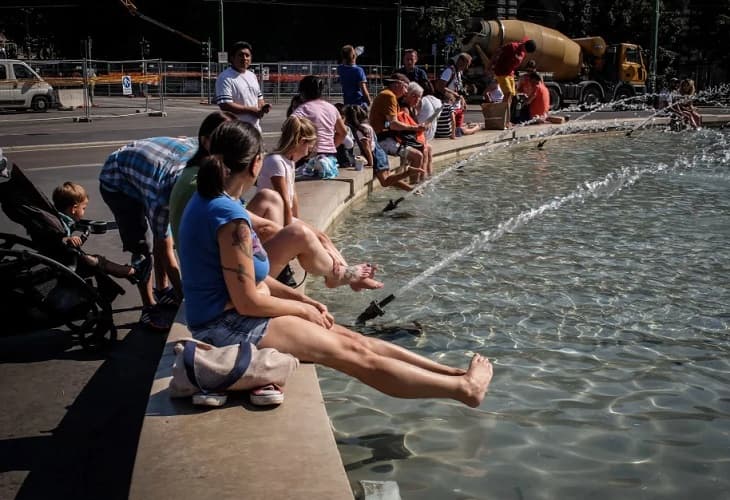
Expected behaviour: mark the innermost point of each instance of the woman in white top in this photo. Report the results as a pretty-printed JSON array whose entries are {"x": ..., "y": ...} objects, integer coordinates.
[{"x": 297, "y": 141}]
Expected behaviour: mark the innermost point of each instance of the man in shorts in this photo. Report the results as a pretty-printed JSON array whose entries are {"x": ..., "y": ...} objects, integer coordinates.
[
  {"x": 383, "y": 119},
  {"x": 136, "y": 182},
  {"x": 504, "y": 62}
]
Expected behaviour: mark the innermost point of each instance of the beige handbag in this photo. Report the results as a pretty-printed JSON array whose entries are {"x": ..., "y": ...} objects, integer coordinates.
[
  {"x": 495, "y": 115},
  {"x": 200, "y": 367}
]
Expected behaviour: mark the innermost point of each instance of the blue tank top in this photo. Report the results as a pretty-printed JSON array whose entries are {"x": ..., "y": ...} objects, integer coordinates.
[{"x": 205, "y": 290}]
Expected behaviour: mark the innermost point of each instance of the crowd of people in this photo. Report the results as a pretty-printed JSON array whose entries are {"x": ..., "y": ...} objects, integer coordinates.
[{"x": 228, "y": 256}]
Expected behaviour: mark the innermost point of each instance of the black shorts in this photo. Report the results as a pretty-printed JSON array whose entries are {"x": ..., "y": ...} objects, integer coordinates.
[{"x": 131, "y": 219}]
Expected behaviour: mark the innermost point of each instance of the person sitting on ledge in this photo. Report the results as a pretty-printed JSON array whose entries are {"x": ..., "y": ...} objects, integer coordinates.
[
  {"x": 385, "y": 123},
  {"x": 231, "y": 298},
  {"x": 315, "y": 251}
]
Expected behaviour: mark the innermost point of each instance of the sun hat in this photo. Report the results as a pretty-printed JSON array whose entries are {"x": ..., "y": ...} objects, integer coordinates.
[{"x": 396, "y": 77}]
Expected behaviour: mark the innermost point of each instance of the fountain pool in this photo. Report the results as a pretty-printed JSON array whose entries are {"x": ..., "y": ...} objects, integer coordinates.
[{"x": 594, "y": 272}]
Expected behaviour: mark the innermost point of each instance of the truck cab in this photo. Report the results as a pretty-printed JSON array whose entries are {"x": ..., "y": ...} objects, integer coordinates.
[{"x": 22, "y": 88}]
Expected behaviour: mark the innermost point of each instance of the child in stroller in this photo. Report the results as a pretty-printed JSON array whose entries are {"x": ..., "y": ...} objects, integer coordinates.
[
  {"x": 71, "y": 200},
  {"x": 46, "y": 282}
]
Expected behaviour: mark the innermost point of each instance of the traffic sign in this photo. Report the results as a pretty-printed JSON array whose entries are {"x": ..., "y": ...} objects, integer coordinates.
[
  {"x": 126, "y": 85},
  {"x": 222, "y": 57}
]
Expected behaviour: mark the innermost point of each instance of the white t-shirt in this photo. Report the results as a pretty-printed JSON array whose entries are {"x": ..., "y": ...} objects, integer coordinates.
[
  {"x": 276, "y": 165},
  {"x": 496, "y": 95},
  {"x": 241, "y": 88},
  {"x": 455, "y": 83},
  {"x": 369, "y": 136},
  {"x": 429, "y": 112}
]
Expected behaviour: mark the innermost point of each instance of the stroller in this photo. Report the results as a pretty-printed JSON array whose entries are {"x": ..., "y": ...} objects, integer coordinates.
[{"x": 44, "y": 282}]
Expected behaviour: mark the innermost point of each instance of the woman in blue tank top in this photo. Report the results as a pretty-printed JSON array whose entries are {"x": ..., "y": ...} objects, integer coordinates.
[{"x": 230, "y": 298}]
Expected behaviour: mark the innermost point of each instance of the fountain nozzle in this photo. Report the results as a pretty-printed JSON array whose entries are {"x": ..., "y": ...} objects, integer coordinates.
[
  {"x": 392, "y": 205},
  {"x": 374, "y": 310}
]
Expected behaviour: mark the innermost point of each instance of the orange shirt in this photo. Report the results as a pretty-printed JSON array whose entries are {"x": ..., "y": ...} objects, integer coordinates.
[{"x": 540, "y": 105}]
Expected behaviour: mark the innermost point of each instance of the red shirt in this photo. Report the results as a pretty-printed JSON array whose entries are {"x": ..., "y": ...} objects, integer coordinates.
[
  {"x": 541, "y": 104},
  {"x": 509, "y": 58}
]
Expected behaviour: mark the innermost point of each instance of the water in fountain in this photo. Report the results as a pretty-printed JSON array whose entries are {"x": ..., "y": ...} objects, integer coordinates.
[
  {"x": 509, "y": 138},
  {"x": 605, "y": 315}
]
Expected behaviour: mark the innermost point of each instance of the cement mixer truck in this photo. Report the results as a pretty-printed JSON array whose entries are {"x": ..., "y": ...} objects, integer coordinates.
[{"x": 582, "y": 71}]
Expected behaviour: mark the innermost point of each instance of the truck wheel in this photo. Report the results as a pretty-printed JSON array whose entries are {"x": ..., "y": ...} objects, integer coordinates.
[
  {"x": 40, "y": 103},
  {"x": 591, "y": 97},
  {"x": 556, "y": 101},
  {"x": 624, "y": 93}
]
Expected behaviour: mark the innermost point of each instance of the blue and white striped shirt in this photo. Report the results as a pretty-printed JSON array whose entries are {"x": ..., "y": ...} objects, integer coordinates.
[{"x": 146, "y": 171}]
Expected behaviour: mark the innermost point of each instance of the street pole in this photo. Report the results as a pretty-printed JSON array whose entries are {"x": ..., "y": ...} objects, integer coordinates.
[
  {"x": 398, "y": 34},
  {"x": 220, "y": 25},
  {"x": 655, "y": 46}
]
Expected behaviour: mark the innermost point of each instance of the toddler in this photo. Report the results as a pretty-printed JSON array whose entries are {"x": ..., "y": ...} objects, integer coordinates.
[{"x": 71, "y": 200}]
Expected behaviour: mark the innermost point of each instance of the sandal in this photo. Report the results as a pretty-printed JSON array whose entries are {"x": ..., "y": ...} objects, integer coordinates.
[
  {"x": 166, "y": 297},
  {"x": 142, "y": 265},
  {"x": 153, "y": 319},
  {"x": 267, "y": 395}
]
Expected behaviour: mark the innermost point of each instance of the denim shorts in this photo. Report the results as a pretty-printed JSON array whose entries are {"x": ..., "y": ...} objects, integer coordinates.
[{"x": 231, "y": 328}]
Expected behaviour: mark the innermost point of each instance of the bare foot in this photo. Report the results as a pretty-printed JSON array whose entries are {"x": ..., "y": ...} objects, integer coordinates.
[
  {"x": 359, "y": 277},
  {"x": 476, "y": 380}
]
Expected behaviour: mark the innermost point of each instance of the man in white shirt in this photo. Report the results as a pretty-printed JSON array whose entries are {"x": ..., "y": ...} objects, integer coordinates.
[{"x": 237, "y": 89}]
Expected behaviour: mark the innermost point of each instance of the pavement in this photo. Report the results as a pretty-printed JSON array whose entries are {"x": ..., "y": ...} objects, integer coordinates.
[{"x": 73, "y": 424}]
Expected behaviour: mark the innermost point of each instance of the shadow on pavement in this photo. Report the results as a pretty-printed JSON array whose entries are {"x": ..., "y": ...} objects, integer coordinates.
[{"x": 91, "y": 453}]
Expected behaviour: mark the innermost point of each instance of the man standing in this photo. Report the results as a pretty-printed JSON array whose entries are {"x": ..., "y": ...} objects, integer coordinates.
[
  {"x": 135, "y": 182},
  {"x": 505, "y": 61},
  {"x": 387, "y": 127},
  {"x": 415, "y": 73},
  {"x": 237, "y": 89}
]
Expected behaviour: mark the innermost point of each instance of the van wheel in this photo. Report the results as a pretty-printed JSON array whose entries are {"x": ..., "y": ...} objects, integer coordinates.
[{"x": 40, "y": 103}]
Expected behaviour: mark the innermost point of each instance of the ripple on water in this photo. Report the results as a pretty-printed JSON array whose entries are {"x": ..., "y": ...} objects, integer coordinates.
[{"x": 606, "y": 318}]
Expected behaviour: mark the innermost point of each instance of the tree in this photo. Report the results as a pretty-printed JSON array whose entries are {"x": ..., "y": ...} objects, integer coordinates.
[{"x": 433, "y": 26}]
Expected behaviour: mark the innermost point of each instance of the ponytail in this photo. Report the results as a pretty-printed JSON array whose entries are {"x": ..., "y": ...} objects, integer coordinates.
[
  {"x": 235, "y": 146},
  {"x": 211, "y": 177}
]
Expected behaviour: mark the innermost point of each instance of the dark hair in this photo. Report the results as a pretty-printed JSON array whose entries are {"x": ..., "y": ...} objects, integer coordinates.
[
  {"x": 236, "y": 145},
  {"x": 354, "y": 117},
  {"x": 310, "y": 88},
  {"x": 210, "y": 123},
  {"x": 530, "y": 46},
  {"x": 534, "y": 76},
  {"x": 296, "y": 100},
  {"x": 236, "y": 46}
]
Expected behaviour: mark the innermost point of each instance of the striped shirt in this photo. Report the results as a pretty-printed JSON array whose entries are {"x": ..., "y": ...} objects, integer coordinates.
[
  {"x": 146, "y": 171},
  {"x": 444, "y": 122}
]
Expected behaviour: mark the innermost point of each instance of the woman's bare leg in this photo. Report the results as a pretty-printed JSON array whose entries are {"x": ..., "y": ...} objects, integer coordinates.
[
  {"x": 267, "y": 204},
  {"x": 298, "y": 240},
  {"x": 310, "y": 342},
  {"x": 396, "y": 352}
]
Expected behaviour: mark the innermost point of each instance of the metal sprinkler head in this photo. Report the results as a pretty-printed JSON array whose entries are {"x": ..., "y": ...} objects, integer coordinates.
[
  {"x": 392, "y": 205},
  {"x": 374, "y": 310}
]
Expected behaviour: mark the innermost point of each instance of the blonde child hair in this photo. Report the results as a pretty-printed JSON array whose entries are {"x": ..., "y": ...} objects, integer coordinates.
[
  {"x": 294, "y": 130},
  {"x": 67, "y": 195}
]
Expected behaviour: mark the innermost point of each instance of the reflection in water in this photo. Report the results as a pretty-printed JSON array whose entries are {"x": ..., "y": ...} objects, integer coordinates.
[{"x": 606, "y": 315}]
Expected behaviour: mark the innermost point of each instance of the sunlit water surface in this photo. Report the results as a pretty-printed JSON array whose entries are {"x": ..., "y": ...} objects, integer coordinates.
[{"x": 595, "y": 273}]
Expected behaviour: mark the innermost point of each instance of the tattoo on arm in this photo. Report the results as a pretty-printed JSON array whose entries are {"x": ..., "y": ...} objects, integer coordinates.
[
  {"x": 241, "y": 237},
  {"x": 240, "y": 272}
]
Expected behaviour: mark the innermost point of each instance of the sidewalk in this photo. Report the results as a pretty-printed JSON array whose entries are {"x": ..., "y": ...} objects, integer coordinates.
[{"x": 289, "y": 452}]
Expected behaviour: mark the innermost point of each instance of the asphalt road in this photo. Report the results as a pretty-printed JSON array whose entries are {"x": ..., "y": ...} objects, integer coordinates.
[{"x": 71, "y": 419}]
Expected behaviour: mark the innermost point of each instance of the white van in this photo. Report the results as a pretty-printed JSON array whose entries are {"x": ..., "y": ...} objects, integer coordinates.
[{"x": 23, "y": 88}]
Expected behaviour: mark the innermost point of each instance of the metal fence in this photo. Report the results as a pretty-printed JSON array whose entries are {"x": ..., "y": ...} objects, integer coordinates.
[{"x": 156, "y": 78}]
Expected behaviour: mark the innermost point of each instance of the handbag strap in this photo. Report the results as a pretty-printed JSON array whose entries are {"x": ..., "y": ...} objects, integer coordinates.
[{"x": 243, "y": 360}]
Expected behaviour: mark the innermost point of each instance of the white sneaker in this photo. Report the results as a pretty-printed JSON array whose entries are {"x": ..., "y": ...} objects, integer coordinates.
[{"x": 267, "y": 395}]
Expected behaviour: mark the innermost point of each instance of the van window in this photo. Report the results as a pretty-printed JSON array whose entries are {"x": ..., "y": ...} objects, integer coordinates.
[
  {"x": 3, "y": 72},
  {"x": 22, "y": 72}
]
